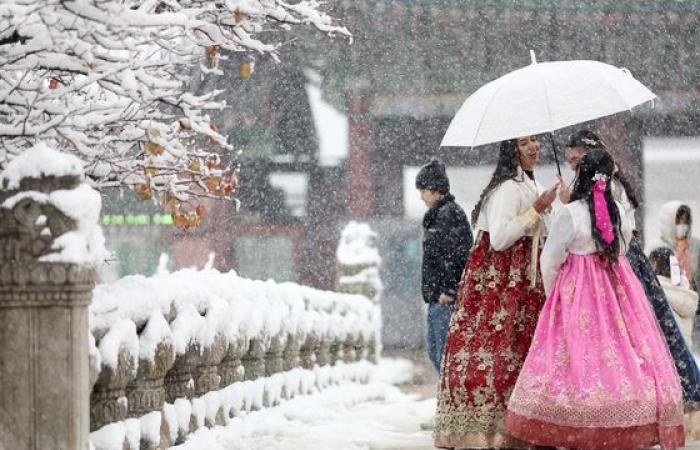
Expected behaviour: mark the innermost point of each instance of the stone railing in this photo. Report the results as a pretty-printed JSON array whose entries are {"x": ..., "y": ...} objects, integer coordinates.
[
  {"x": 176, "y": 352},
  {"x": 150, "y": 359}
]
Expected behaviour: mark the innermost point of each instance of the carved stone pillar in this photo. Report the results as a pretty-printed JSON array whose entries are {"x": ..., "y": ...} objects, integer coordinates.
[
  {"x": 308, "y": 350},
  {"x": 146, "y": 392},
  {"x": 273, "y": 357},
  {"x": 44, "y": 388},
  {"x": 372, "y": 350},
  {"x": 291, "y": 355},
  {"x": 206, "y": 374},
  {"x": 254, "y": 359},
  {"x": 323, "y": 351},
  {"x": 108, "y": 401},
  {"x": 336, "y": 349},
  {"x": 360, "y": 347},
  {"x": 349, "y": 354},
  {"x": 178, "y": 380},
  {"x": 231, "y": 367}
]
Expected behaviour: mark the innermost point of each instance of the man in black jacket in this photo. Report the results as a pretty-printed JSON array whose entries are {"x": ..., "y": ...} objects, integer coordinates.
[{"x": 447, "y": 239}]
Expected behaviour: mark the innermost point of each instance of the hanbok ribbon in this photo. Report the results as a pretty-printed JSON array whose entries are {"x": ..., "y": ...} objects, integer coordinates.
[
  {"x": 533, "y": 254},
  {"x": 600, "y": 206}
]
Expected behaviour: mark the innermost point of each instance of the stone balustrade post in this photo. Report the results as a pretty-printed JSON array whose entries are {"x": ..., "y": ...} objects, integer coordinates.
[
  {"x": 323, "y": 351},
  {"x": 336, "y": 349},
  {"x": 45, "y": 382},
  {"x": 273, "y": 357},
  {"x": 291, "y": 354},
  {"x": 372, "y": 350},
  {"x": 206, "y": 374},
  {"x": 360, "y": 347},
  {"x": 231, "y": 367},
  {"x": 349, "y": 351},
  {"x": 108, "y": 402},
  {"x": 309, "y": 349},
  {"x": 146, "y": 392},
  {"x": 178, "y": 381},
  {"x": 254, "y": 359}
]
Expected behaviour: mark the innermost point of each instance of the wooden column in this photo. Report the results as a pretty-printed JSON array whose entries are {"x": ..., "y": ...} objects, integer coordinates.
[{"x": 360, "y": 190}]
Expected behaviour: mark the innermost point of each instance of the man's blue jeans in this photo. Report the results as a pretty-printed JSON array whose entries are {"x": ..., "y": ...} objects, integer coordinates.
[{"x": 438, "y": 325}]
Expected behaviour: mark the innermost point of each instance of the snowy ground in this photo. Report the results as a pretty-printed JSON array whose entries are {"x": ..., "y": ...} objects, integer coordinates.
[{"x": 377, "y": 416}]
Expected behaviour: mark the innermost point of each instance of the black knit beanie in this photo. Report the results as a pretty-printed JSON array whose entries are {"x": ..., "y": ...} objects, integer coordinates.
[{"x": 433, "y": 176}]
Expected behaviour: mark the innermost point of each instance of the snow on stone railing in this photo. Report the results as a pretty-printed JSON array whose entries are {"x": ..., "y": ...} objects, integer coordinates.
[
  {"x": 175, "y": 352},
  {"x": 358, "y": 261}
]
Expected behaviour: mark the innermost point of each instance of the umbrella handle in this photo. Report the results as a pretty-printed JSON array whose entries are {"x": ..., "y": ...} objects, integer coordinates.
[{"x": 554, "y": 150}]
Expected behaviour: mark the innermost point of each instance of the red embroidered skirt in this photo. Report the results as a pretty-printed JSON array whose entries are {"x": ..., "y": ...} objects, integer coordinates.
[{"x": 490, "y": 332}]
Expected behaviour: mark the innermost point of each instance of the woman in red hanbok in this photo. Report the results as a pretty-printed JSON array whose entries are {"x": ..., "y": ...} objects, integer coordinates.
[{"x": 497, "y": 305}]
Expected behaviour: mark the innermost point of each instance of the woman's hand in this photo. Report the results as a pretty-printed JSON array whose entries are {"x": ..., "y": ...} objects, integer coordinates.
[
  {"x": 564, "y": 191},
  {"x": 446, "y": 299},
  {"x": 544, "y": 201}
]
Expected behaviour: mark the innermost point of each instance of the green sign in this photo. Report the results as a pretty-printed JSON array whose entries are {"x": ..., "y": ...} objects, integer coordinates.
[{"x": 136, "y": 219}]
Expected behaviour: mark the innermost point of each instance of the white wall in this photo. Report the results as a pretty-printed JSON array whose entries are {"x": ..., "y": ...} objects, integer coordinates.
[{"x": 466, "y": 184}]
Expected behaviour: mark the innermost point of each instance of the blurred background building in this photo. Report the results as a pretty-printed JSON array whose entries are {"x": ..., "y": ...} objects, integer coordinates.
[{"x": 336, "y": 132}]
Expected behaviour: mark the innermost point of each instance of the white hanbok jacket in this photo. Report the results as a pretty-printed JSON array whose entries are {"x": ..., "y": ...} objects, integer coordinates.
[
  {"x": 508, "y": 215},
  {"x": 570, "y": 232}
]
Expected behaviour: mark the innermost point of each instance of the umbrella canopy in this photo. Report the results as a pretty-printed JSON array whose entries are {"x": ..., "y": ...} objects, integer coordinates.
[{"x": 544, "y": 97}]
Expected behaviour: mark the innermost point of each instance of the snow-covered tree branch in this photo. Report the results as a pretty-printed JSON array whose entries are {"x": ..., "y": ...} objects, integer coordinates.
[{"x": 108, "y": 80}]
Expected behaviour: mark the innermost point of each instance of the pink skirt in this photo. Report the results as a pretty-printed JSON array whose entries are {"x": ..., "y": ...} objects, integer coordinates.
[{"x": 598, "y": 374}]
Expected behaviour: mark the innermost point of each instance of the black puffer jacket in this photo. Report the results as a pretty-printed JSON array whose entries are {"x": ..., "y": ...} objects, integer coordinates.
[{"x": 447, "y": 239}]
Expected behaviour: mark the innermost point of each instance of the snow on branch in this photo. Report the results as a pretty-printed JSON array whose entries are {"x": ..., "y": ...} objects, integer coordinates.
[{"x": 109, "y": 82}]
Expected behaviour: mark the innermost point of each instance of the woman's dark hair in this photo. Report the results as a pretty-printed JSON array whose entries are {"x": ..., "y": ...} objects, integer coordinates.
[
  {"x": 599, "y": 162},
  {"x": 661, "y": 259},
  {"x": 588, "y": 140},
  {"x": 506, "y": 169},
  {"x": 684, "y": 210}
]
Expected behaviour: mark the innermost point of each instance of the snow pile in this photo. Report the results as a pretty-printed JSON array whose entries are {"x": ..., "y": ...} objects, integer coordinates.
[
  {"x": 346, "y": 415},
  {"x": 338, "y": 387},
  {"x": 358, "y": 261},
  {"x": 358, "y": 245},
  {"x": 109, "y": 437},
  {"x": 85, "y": 245}
]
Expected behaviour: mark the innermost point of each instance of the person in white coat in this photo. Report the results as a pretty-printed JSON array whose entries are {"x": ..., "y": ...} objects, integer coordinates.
[
  {"x": 683, "y": 301},
  {"x": 676, "y": 233}
]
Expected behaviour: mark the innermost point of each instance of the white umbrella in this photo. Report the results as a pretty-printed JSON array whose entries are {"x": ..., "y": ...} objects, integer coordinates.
[{"x": 541, "y": 98}]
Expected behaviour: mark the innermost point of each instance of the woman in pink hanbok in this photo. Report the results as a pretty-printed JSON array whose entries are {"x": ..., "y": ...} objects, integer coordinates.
[{"x": 598, "y": 373}]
